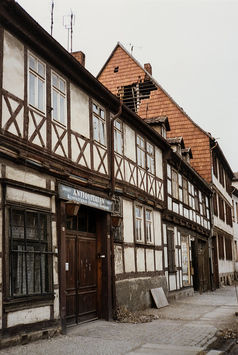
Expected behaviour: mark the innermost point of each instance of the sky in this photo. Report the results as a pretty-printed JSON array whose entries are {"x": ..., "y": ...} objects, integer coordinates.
[{"x": 192, "y": 46}]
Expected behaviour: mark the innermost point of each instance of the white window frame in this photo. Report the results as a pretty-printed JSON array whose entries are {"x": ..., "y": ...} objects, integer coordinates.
[
  {"x": 150, "y": 158},
  {"x": 118, "y": 141},
  {"x": 38, "y": 73},
  {"x": 99, "y": 124},
  {"x": 175, "y": 184},
  {"x": 59, "y": 107},
  {"x": 140, "y": 144},
  {"x": 139, "y": 224},
  {"x": 149, "y": 226}
]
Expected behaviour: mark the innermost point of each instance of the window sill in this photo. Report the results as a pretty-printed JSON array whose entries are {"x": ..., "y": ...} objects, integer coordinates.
[{"x": 17, "y": 304}]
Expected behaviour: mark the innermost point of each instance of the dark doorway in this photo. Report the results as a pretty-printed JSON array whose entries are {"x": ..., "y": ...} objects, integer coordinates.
[
  {"x": 83, "y": 267},
  {"x": 215, "y": 263}
]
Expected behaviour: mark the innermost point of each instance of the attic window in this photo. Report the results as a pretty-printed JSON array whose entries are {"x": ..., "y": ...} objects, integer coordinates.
[{"x": 116, "y": 69}]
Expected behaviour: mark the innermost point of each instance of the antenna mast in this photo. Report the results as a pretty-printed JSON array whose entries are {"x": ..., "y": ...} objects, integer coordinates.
[
  {"x": 52, "y": 18},
  {"x": 69, "y": 26}
]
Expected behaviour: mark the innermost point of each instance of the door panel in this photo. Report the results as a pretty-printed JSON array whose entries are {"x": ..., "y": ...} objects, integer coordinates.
[
  {"x": 87, "y": 279},
  {"x": 70, "y": 279}
]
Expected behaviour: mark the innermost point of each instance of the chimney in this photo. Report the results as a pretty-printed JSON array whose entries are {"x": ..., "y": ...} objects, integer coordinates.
[
  {"x": 148, "y": 68},
  {"x": 80, "y": 57}
]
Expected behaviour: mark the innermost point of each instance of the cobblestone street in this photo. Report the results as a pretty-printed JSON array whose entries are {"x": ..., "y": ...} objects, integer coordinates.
[{"x": 187, "y": 326}]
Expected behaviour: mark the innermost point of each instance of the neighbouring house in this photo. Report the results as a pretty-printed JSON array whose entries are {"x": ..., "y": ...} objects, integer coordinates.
[
  {"x": 235, "y": 221},
  {"x": 135, "y": 85}
]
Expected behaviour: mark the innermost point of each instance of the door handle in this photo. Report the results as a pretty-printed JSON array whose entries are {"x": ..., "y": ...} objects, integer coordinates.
[{"x": 101, "y": 256}]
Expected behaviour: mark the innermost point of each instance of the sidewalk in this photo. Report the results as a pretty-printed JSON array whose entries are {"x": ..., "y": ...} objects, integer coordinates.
[{"x": 186, "y": 326}]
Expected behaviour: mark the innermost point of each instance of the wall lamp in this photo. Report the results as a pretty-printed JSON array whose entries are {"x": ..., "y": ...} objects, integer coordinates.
[{"x": 116, "y": 220}]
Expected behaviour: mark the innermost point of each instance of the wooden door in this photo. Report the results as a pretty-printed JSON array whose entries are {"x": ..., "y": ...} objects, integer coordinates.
[
  {"x": 215, "y": 263},
  {"x": 82, "y": 270}
]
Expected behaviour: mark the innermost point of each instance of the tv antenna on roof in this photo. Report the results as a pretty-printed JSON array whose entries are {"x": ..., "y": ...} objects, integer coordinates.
[
  {"x": 52, "y": 18},
  {"x": 132, "y": 47},
  {"x": 68, "y": 23}
]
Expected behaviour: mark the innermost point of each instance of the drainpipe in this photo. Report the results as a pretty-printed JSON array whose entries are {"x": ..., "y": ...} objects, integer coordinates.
[
  {"x": 112, "y": 149},
  {"x": 111, "y": 194}
]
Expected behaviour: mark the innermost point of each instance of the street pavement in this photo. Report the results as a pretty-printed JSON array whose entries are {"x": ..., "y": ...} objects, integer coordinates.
[{"x": 193, "y": 325}]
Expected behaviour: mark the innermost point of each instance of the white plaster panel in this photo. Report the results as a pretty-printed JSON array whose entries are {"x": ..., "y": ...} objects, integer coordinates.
[
  {"x": 76, "y": 151},
  {"x": 27, "y": 197},
  {"x": 140, "y": 254},
  {"x": 6, "y": 116},
  {"x": 128, "y": 221},
  {"x": 172, "y": 282},
  {"x": 56, "y": 304},
  {"x": 157, "y": 228},
  {"x": 159, "y": 163},
  {"x": 13, "y": 65},
  {"x": 150, "y": 262},
  {"x": 129, "y": 143},
  {"x": 53, "y": 205},
  {"x": 25, "y": 177},
  {"x": 43, "y": 129},
  {"x": 64, "y": 142},
  {"x": 97, "y": 160},
  {"x": 79, "y": 111},
  {"x": 165, "y": 257},
  {"x": 55, "y": 269},
  {"x": 165, "y": 233},
  {"x": 159, "y": 260},
  {"x": 52, "y": 185},
  {"x": 54, "y": 234},
  {"x": 129, "y": 257},
  {"x": 27, "y": 316},
  {"x": 118, "y": 259}
]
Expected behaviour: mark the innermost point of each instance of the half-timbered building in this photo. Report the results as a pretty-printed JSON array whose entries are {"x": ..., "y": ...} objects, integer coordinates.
[
  {"x": 82, "y": 189},
  {"x": 126, "y": 78}
]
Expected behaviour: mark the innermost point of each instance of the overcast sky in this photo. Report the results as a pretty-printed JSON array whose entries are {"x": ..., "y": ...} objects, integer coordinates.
[{"x": 192, "y": 46}]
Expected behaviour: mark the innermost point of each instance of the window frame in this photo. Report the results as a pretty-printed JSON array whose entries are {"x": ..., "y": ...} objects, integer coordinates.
[
  {"x": 39, "y": 78},
  {"x": 26, "y": 257},
  {"x": 150, "y": 158},
  {"x": 171, "y": 251},
  {"x": 99, "y": 124},
  {"x": 149, "y": 223},
  {"x": 141, "y": 151},
  {"x": 60, "y": 95},
  {"x": 175, "y": 184},
  {"x": 139, "y": 224},
  {"x": 118, "y": 136}
]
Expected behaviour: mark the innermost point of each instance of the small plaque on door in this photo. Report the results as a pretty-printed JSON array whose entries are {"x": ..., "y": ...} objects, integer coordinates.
[{"x": 66, "y": 266}]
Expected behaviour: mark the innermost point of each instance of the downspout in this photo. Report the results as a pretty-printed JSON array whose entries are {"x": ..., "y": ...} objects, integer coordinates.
[{"x": 111, "y": 194}]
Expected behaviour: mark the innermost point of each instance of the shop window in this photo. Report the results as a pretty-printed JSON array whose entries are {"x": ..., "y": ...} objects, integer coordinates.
[
  {"x": 58, "y": 87},
  {"x": 36, "y": 83},
  {"x": 99, "y": 124},
  {"x": 171, "y": 251},
  {"x": 81, "y": 218},
  {"x": 30, "y": 252}
]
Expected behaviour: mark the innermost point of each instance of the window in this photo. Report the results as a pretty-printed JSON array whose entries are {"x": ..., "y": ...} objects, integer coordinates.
[
  {"x": 36, "y": 82},
  {"x": 196, "y": 199},
  {"x": 150, "y": 158},
  {"x": 228, "y": 184},
  {"x": 221, "y": 208},
  {"x": 215, "y": 204},
  {"x": 228, "y": 215},
  {"x": 99, "y": 124},
  {"x": 30, "y": 252},
  {"x": 204, "y": 212},
  {"x": 148, "y": 226},
  {"x": 118, "y": 137},
  {"x": 58, "y": 86},
  {"x": 139, "y": 223},
  {"x": 221, "y": 174},
  {"x": 141, "y": 152},
  {"x": 185, "y": 191},
  {"x": 175, "y": 189},
  {"x": 233, "y": 211},
  {"x": 214, "y": 159},
  {"x": 228, "y": 247},
  {"x": 221, "y": 247},
  {"x": 171, "y": 251}
]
